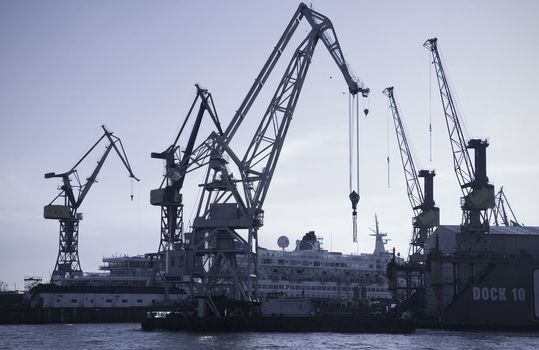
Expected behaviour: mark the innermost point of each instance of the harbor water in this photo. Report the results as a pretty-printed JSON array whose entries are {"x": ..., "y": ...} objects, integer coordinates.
[{"x": 130, "y": 336}]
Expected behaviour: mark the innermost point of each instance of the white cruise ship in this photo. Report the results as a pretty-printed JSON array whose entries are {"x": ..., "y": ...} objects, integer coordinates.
[
  {"x": 307, "y": 271},
  {"x": 313, "y": 272}
]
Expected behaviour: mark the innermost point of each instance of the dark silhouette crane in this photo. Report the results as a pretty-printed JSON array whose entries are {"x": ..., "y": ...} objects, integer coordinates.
[
  {"x": 502, "y": 213},
  {"x": 221, "y": 251},
  {"x": 478, "y": 193},
  {"x": 72, "y": 196},
  {"x": 426, "y": 214},
  {"x": 177, "y": 164}
]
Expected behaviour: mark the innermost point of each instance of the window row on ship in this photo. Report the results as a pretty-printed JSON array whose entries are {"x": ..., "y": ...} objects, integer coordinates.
[
  {"x": 318, "y": 263},
  {"x": 321, "y": 287}
]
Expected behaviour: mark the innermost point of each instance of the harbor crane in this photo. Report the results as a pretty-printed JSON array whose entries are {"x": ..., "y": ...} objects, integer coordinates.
[
  {"x": 220, "y": 255},
  {"x": 426, "y": 214},
  {"x": 478, "y": 193},
  {"x": 500, "y": 215},
  {"x": 71, "y": 198},
  {"x": 177, "y": 164}
]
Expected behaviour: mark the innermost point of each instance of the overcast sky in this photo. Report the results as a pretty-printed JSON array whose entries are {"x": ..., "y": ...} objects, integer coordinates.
[{"x": 66, "y": 67}]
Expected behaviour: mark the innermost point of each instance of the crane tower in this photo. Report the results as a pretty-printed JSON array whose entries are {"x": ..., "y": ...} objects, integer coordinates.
[{"x": 177, "y": 164}]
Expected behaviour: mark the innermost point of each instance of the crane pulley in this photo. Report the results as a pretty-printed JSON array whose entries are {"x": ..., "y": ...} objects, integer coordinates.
[{"x": 67, "y": 262}]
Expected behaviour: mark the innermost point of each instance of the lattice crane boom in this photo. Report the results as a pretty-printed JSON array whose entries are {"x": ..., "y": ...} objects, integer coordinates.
[
  {"x": 326, "y": 33},
  {"x": 413, "y": 188},
  {"x": 262, "y": 154},
  {"x": 478, "y": 194},
  {"x": 426, "y": 214},
  {"x": 462, "y": 162}
]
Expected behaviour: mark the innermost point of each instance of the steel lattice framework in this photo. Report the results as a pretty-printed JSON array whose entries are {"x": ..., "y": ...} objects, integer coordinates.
[
  {"x": 426, "y": 215},
  {"x": 478, "y": 194},
  {"x": 68, "y": 263},
  {"x": 177, "y": 164},
  {"x": 502, "y": 213},
  {"x": 222, "y": 248}
]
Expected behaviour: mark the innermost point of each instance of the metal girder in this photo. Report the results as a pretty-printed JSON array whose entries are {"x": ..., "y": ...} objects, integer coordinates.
[
  {"x": 327, "y": 35},
  {"x": 67, "y": 262},
  {"x": 266, "y": 146},
  {"x": 171, "y": 226}
]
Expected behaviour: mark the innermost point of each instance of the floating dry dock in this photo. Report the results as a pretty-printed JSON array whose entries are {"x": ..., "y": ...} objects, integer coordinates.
[{"x": 488, "y": 281}]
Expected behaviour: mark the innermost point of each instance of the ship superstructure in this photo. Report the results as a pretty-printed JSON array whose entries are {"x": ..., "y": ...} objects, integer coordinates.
[
  {"x": 308, "y": 271},
  {"x": 312, "y": 272}
]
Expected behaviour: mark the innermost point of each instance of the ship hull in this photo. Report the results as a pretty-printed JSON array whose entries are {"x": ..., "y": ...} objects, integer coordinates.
[
  {"x": 72, "y": 315},
  {"x": 339, "y": 323}
]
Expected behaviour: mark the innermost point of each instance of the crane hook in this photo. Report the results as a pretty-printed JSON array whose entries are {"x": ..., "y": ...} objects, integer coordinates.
[
  {"x": 366, "y": 104},
  {"x": 132, "y": 188},
  {"x": 354, "y": 198}
]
